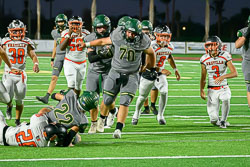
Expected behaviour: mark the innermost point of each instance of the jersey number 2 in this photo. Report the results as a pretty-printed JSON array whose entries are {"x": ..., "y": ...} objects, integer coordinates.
[{"x": 26, "y": 139}]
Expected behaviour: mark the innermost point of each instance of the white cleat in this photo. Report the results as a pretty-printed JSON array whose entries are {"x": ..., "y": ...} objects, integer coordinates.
[
  {"x": 117, "y": 134},
  {"x": 93, "y": 128},
  {"x": 100, "y": 125},
  {"x": 161, "y": 120},
  {"x": 111, "y": 118}
]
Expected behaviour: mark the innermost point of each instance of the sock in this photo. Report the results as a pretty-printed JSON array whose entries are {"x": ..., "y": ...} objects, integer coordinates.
[
  {"x": 103, "y": 117},
  {"x": 119, "y": 125},
  {"x": 112, "y": 111},
  {"x": 152, "y": 104},
  {"x": 146, "y": 107},
  {"x": 47, "y": 95}
]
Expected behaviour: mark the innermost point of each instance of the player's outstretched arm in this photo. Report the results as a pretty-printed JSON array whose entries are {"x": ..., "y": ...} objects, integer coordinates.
[
  {"x": 150, "y": 58},
  {"x": 97, "y": 42},
  {"x": 240, "y": 42},
  {"x": 203, "y": 81}
]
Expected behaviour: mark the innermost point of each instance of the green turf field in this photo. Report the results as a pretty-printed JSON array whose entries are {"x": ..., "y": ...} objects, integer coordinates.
[{"x": 188, "y": 139}]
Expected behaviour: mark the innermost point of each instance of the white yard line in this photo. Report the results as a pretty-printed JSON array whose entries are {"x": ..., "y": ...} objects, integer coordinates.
[{"x": 127, "y": 158}]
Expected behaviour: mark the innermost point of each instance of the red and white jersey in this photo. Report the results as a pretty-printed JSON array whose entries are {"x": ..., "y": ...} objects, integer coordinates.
[
  {"x": 17, "y": 52},
  {"x": 216, "y": 67},
  {"x": 162, "y": 53},
  {"x": 28, "y": 134},
  {"x": 73, "y": 52}
]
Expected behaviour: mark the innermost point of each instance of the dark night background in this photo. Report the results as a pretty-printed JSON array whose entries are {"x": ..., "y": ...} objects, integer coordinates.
[{"x": 188, "y": 13}]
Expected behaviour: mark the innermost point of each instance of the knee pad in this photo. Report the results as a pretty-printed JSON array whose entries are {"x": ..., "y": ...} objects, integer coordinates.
[
  {"x": 19, "y": 102},
  {"x": 125, "y": 100},
  {"x": 107, "y": 99}
]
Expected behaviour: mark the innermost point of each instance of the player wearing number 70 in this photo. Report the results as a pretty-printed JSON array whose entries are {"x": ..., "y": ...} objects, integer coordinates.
[
  {"x": 75, "y": 58},
  {"x": 17, "y": 47},
  {"x": 215, "y": 63},
  {"x": 123, "y": 77}
]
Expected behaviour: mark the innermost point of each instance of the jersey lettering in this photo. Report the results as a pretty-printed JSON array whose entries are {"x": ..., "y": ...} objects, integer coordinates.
[
  {"x": 217, "y": 72},
  {"x": 17, "y": 58},
  {"x": 130, "y": 54},
  {"x": 73, "y": 45},
  {"x": 65, "y": 112},
  {"x": 26, "y": 140}
]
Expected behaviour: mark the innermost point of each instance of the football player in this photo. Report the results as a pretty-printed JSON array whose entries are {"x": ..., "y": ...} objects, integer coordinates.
[
  {"x": 163, "y": 50},
  {"x": 147, "y": 28},
  {"x": 57, "y": 58},
  {"x": 37, "y": 133},
  {"x": 123, "y": 77},
  {"x": 100, "y": 63},
  {"x": 17, "y": 47},
  {"x": 70, "y": 111},
  {"x": 75, "y": 58},
  {"x": 244, "y": 40},
  {"x": 4, "y": 95},
  {"x": 214, "y": 64}
]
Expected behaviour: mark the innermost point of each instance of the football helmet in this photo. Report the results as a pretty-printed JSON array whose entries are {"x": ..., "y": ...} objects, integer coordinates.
[
  {"x": 102, "y": 21},
  {"x": 88, "y": 100},
  {"x": 213, "y": 45},
  {"x": 49, "y": 131},
  {"x": 61, "y": 18},
  {"x": 162, "y": 34},
  {"x": 16, "y": 30},
  {"x": 147, "y": 25},
  {"x": 76, "y": 22},
  {"x": 134, "y": 26},
  {"x": 123, "y": 20}
]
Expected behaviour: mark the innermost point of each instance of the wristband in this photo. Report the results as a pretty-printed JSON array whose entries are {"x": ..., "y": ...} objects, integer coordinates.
[
  {"x": 87, "y": 44},
  {"x": 52, "y": 59}
]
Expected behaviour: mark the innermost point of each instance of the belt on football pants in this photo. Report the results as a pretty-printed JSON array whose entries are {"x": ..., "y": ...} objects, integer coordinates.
[
  {"x": 80, "y": 62},
  {"x": 215, "y": 87},
  {"x": 4, "y": 139},
  {"x": 18, "y": 73}
]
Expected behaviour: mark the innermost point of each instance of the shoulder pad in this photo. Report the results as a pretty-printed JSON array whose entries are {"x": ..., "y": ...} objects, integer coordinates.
[
  {"x": 64, "y": 33},
  {"x": 5, "y": 40},
  {"x": 226, "y": 55},
  {"x": 30, "y": 42}
]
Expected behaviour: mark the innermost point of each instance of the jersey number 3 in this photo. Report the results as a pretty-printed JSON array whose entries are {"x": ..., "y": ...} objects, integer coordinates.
[{"x": 217, "y": 72}]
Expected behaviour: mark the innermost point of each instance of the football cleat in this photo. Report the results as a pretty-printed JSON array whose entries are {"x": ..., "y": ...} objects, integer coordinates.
[
  {"x": 111, "y": 118},
  {"x": 100, "y": 125},
  {"x": 154, "y": 110},
  {"x": 93, "y": 128},
  {"x": 43, "y": 99},
  {"x": 146, "y": 111},
  {"x": 9, "y": 112},
  {"x": 17, "y": 122},
  {"x": 223, "y": 124},
  {"x": 161, "y": 120},
  {"x": 117, "y": 134},
  {"x": 134, "y": 121}
]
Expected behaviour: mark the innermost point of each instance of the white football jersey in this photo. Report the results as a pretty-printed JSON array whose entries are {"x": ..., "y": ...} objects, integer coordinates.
[
  {"x": 216, "y": 67},
  {"x": 73, "y": 52},
  {"x": 17, "y": 52},
  {"x": 28, "y": 134},
  {"x": 162, "y": 53}
]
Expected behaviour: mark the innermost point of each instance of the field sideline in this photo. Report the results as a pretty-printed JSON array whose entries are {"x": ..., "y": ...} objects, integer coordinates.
[{"x": 188, "y": 139}]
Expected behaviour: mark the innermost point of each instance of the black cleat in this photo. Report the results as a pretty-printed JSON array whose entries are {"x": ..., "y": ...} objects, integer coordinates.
[
  {"x": 43, "y": 99},
  {"x": 9, "y": 112},
  {"x": 17, "y": 122},
  {"x": 134, "y": 121},
  {"x": 146, "y": 111},
  {"x": 223, "y": 124},
  {"x": 154, "y": 110}
]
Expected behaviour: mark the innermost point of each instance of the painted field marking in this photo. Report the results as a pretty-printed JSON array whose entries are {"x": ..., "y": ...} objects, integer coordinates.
[{"x": 126, "y": 158}]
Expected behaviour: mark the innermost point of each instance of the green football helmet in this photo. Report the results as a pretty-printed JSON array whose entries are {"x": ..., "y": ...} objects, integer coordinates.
[
  {"x": 134, "y": 26},
  {"x": 248, "y": 21},
  {"x": 88, "y": 100},
  {"x": 59, "y": 18},
  {"x": 102, "y": 21},
  {"x": 147, "y": 25},
  {"x": 123, "y": 20}
]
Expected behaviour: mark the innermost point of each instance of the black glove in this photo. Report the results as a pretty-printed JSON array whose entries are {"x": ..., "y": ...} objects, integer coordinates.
[
  {"x": 105, "y": 52},
  {"x": 150, "y": 74}
]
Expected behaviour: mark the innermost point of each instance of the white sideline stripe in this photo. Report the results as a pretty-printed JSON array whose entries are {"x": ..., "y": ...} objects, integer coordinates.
[
  {"x": 125, "y": 158},
  {"x": 169, "y": 105}
]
